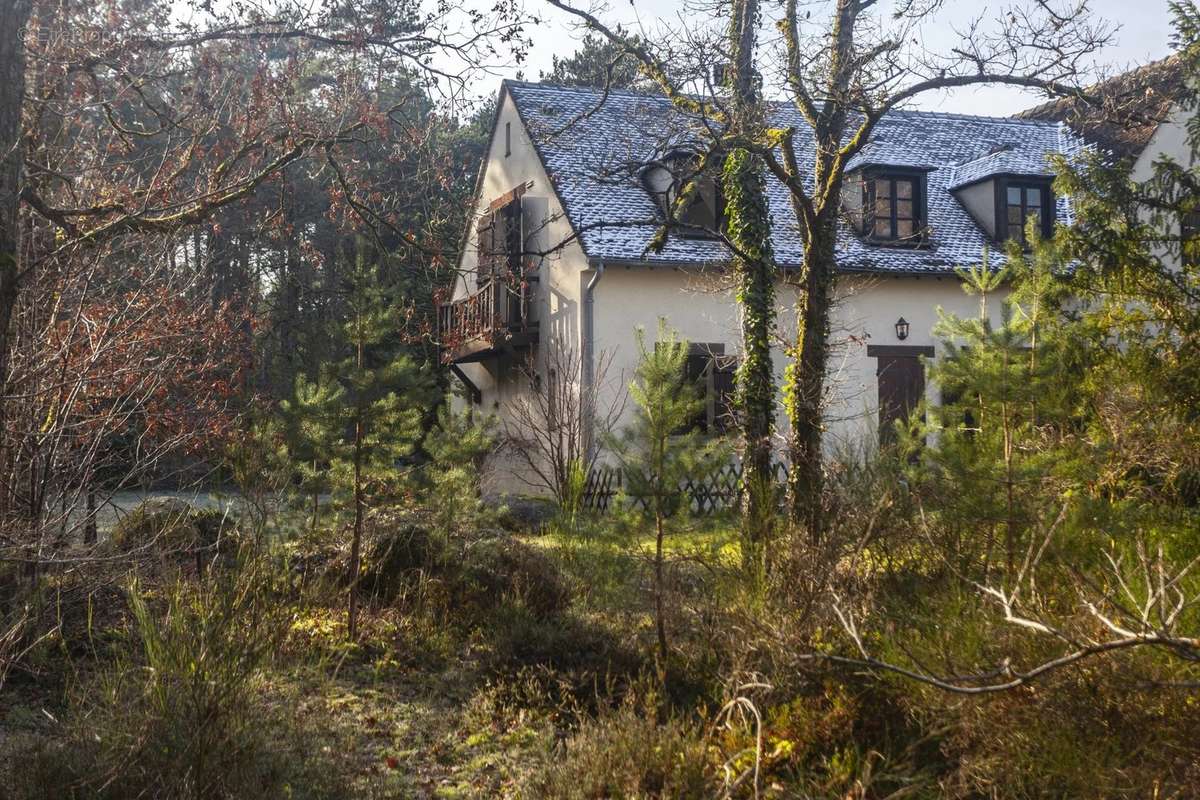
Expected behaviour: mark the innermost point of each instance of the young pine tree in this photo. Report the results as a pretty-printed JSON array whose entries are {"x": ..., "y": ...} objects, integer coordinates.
[
  {"x": 458, "y": 444},
  {"x": 660, "y": 449},
  {"x": 362, "y": 415},
  {"x": 313, "y": 424},
  {"x": 1004, "y": 423}
]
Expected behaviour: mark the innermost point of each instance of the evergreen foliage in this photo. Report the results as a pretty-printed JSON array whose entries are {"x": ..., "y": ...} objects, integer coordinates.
[
  {"x": 458, "y": 444},
  {"x": 363, "y": 415},
  {"x": 659, "y": 450},
  {"x": 599, "y": 62},
  {"x": 367, "y": 406},
  {"x": 1005, "y": 425}
]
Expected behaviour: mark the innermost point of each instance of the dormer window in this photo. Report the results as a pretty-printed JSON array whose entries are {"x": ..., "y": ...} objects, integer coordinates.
[
  {"x": 894, "y": 207},
  {"x": 1020, "y": 200},
  {"x": 666, "y": 180},
  {"x": 1189, "y": 238}
]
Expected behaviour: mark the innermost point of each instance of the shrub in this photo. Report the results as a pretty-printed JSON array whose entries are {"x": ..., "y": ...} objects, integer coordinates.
[
  {"x": 526, "y": 514},
  {"x": 479, "y": 575},
  {"x": 178, "y": 713},
  {"x": 508, "y": 570},
  {"x": 393, "y": 558},
  {"x": 166, "y": 525},
  {"x": 626, "y": 753},
  {"x": 1101, "y": 731},
  {"x": 571, "y": 502}
]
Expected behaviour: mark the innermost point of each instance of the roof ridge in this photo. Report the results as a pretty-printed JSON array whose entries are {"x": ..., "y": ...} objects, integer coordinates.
[
  {"x": 651, "y": 93},
  {"x": 1130, "y": 75},
  {"x": 995, "y": 151},
  {"x": 584, "y": 89},
  {"x": 960, "y": 115}
]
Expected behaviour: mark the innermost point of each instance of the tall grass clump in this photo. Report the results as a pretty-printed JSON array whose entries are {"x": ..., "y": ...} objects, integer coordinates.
[
  {"x": 179, "y": 712},
  {"x": 626, "y": 752}
]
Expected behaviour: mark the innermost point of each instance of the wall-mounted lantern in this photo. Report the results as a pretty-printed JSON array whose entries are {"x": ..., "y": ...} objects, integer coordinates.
[{"x": 902, "y": 329}]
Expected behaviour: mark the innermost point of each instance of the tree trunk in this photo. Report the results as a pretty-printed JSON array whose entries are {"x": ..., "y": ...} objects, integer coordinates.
[
  {"x": 660, "y": 622},
  {"x": 14, "y": 14},
  {"x": 316, "y": 505},
  {"x": 748, "y": 226},
  {"x": 89, "y": 528},
  {"x": 356, "y": 543},
  {"x": 804, "y": 384}
]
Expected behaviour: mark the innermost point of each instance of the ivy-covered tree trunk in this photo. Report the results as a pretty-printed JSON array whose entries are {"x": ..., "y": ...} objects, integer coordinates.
[
  {"x": 748, "y": 227},
  {"x": 804, "y": 379}
]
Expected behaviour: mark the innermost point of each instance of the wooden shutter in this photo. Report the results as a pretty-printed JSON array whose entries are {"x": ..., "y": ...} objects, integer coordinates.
[
  {"x": 704, "y": 370},
  {"x": 499, "y": 241},
  {"x": 513, "y": 242},
  {"x": 696, "y": 378},
  {"x": 484, "y": 244},
  {"x": 724, "y": 371}
]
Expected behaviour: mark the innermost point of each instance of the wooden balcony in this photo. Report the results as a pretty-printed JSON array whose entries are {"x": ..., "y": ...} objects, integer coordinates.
[{"x": 493, "y": 319}]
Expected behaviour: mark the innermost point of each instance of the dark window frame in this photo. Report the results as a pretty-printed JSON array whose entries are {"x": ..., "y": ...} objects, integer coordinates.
[
  {"x": 702, "y": 365},
  {"x": 1025, "y": 183},
  {"x": 920, "y": 206},
  {"x": 1189, "y": 238},
  {"x": 679, "y": 164}
]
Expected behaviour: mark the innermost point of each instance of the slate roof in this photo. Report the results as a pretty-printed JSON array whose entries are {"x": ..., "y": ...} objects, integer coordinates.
[
  {"x": 1004, "y": 161},
  {"x": 593, "y": 148}
]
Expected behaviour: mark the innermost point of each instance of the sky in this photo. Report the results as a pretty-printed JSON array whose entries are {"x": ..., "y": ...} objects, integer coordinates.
[{"x": 1143, "y": 34}]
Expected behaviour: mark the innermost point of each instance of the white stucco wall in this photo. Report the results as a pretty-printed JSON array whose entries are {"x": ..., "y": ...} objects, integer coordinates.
[
  {"x": 866, "y": 313},
  {"x": 701, "y": 309},
  {"x": 1169, "y": 139},
  {"x": 557, "y": 308},
  {"x": 546, "y": 228}
]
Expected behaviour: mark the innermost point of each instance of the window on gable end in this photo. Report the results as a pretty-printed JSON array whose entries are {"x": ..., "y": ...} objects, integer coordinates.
[
  {"x": 894, "y": 207},
  {"x": 501, "y": 236}
]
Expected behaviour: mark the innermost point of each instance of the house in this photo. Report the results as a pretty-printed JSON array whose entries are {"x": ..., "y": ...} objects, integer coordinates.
[
  {"x": 571, "y": 195},
  {"x": 1141, "y": 116}
]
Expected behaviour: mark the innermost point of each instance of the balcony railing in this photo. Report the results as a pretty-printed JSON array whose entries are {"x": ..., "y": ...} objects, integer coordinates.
[{"x": 495, "y": 316}]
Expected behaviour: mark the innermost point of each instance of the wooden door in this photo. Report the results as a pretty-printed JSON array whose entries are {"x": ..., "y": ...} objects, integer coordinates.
[{"x": 901, "y": 379}]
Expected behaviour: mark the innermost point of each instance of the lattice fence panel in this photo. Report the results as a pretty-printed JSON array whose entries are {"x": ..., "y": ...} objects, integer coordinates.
[{"x": 706, "y": 494}]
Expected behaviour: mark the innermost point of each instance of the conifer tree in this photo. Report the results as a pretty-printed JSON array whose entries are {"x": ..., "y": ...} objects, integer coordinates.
[
  {"x": 312, "y": 422},
  {"x": 660, "y": 449},
  {"x": 1003, "y": 426},
  {"x": 1073, "y": 427},
  {"x": 458, "y": 444},
  {"x": 363, "y": 413}
]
